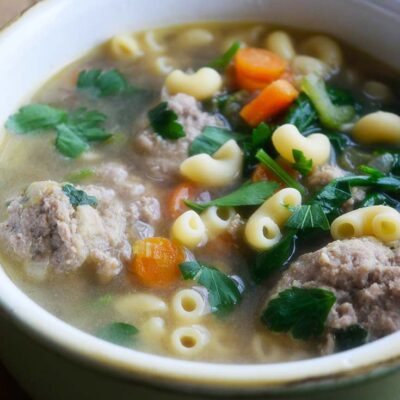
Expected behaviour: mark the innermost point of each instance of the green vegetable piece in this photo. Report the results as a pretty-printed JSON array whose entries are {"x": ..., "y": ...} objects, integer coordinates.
[
  {"x": 301, "y": 163},
  {"x": 79, "y": 176},
  {"x": 103, "y": 83},
  {"x": 270, "y": 261},
  {"x": 339, "y": 141},
  {"x": 377, "y": 199},
  {"x": 387, "y": 183},
  {"x": 272, "y": 165},
  {"x": 164, "y": 122},
  {"x": 308, "y": 216},
  {"x": 69, "y": 142},
  {"x": 118, "y": 333},
  {"x": 250, "y": 194},
  {"x": 331, "y": 115},
  {"x": 35, "y": 117},
  {"x": 371, "y": 171},
  {"x": 222, "y": 62},
  {"x": 301, "y": 311},
  {"x": 223, "y": 293},
  {"x": 78, "y": 197},
  {"x": 350, "y": 337},
  {"x": 261, "y": 135}
]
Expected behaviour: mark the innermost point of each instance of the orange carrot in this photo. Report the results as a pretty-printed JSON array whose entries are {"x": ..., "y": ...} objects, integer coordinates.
[
  {"x": 259, "y": 64},
  {"x": 156, "y": 261},
  {"x": 250, "y": 84},
  {"x": 175, "y": 202},
  {"x": 275, "y": 98}
]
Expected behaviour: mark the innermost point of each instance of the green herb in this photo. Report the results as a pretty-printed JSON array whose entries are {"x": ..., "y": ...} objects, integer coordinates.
[
  {"x": 272, "y": 165},
  {"x": 69, "y": 142},
  {"x": 118, "y": 333},
  {"x": 250, "y": 194},
  {"x": 79, "y": 176},
  {"x": 308, "y": 216},
  {"x": 301, "y": 311},
  {"x": 270, "y": 261},
  {"x": 388, "y": 183},
  {"x": 330, "y": 115},
  {"x": 339, "y": 141},
  {"x": 261, "y": 135},
  {"x": 78, "y": 197},
  {"x": 377, "y": 199},
  {"x": 102, "y": 301},
  {"x": 301, "y": 163},
  {"x": 350, "y": 337},
  {"x": 103, "y": 83},
  {"x": 222, "y": 62},
  {"x": 223, "y": 293},
  {"x": 371, "y": 171},
  {"x": 164, "y": 122},
  {"x": 36, "y": 117}
]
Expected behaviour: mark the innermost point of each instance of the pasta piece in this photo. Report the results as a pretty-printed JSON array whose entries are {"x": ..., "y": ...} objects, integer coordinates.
[
  {"x": 152, "y": 331},
  {"x": 377, "y": 91},
  {"x": 280, "y": 43},
  {"x": 163, "y": 65},
  {"x": 262, "y": 230},
  {"x": 378, "y": 127},
  {"x": 189, "y": 341},
  {"x": 195, "y": 37},
  {"x": 189, "y": 230},
  {"x": 134, "y": 305},
  {"x": 152, "y": 44},
  {"x": 383, "y": 222},
  {"x": 315, "y": 147},
  {"x": 219, "y": 170},
  {"x": 125, "y": 47},
  {"x": 202, "y": 85},
  {"x": 188, "y": 305},
  {"x": 217, "y": 220},
  {"x": 304, "y": 65}
]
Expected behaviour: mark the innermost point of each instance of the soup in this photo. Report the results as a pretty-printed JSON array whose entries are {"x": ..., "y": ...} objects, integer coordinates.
[{"x": 216, "y": 192}]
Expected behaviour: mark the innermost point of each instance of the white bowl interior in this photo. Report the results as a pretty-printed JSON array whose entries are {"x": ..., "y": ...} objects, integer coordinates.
[{"x": 56, "y": 32}]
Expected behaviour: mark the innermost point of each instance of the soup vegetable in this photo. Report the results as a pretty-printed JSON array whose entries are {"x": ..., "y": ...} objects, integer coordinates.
[{"x": 220, "y": 192}]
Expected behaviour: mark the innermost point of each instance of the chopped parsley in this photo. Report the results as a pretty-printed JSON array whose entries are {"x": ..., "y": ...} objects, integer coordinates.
[
  {"x": 308, "y": 216},
  {"x": 301, "y": 164},
  {"x": 350, "y": 337},
  {"x": 165, "y": 122},
  {"x": 118, "y": 333},
  {"x": 78, "y": 197}
]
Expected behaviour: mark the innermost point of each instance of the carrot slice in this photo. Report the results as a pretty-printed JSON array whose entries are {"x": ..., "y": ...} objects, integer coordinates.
[
  {"x": 275, "y": 98},
  {"x": 175, "y": 202},
  {"x": 156, "y": 261},
  {"x": 250, "y": 84},
  {"x": 259, "y": 64}
]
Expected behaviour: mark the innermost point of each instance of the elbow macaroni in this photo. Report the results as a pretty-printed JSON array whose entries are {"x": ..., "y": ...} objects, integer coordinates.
[
  {"x": 262, "y": 230},
  {"x": 151, "y": 43},
  {"x": 188, "y": 305},
  {"x": 383, "y": 222},
  {"x": 195, "y": 37},
  {"x": 378, "y": 127},
  {"x": 189, "y": 230},
  {"x": 280, "y": 43},
  {"x": 288, "y": 138},
  {"x": 202, "y": 85},
  {"x": 217, "y": 220},
  {"x": 125, "y": 47},
  {"x": 219, "y": 170}
]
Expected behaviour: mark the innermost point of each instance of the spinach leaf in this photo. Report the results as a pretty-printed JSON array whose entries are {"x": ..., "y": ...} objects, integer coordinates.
[
  {"x": 301, "y": 163},
  {"x": 103, "y": 83},
  {"x": 78, "y": 197},
  {"x": 36, "y": 117},
  {"x": 350, "y": 337},
  {"x": 222, "y": 62},
  {"x": 250, "y": 194},
  {"x": 387, "y": 183},
  {"x": 308, "y": 216},
  {"x": 118, "y": 333},
  {"x": 301, "y": 311},
  {"x": 378, "y": 198},
  {"x": 69, "y": 141},
  {"x": 270, "y": 261},
  {"x": 165, "y": 122},
  {"x": 223, "y": 293}
]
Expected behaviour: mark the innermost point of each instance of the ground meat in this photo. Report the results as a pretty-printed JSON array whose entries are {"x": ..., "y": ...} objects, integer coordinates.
[
  {"x": 236, "y": 225},
  {"x": 160, "y": 158},
  {"x": 324, "y": 174},
  {"x": 363, "y": 273}
]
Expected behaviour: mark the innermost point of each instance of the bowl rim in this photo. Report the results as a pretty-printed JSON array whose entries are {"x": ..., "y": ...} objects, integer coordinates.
[{"x": 371, "y": 360}]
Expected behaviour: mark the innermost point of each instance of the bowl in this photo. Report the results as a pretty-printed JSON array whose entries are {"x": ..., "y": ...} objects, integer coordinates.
[{"x": 53, "y": 360}]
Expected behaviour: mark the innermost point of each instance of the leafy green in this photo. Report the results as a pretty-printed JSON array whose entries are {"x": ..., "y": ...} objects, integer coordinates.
[
  {"x": 78, "y": 197},
  {"x": 36, "y": 117},
  {"x": 223, "y": 61},
  {"x": 301, "y": 163},
  {"x": 165, "y": 122},
  {"x": 377, "y": 198},
  {"x": 301, "y": 311},
  {"x": 80, "y": 175},
  {"x": 103, "y": 83},
  {"x": 118, "y": 333},
  {"x": 339, "y": 141},
  {"x": 261, "y": 135},
  {"x": 223, "y": 293},
  {"x": 387, "y": 183},
  {"x": 350, "y": 337},
  {"x": 371, "y": 171},
  {"x": 308, "y": 216},
  {"x": 272, "y": 165},
  {"x": 69, "y": 142},
  {"x": 249, "y": 194},
  {"x": 331, "y": 116},
  {"x": 270, "y": 261}
]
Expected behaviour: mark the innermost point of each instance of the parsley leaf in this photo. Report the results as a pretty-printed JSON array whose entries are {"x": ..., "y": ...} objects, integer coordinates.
[
  {"x": 350, "y": 337},
  {"x": 301, "y": 311},
  {"x": 69, "y": 142},
  {"x": 261, "y": 135},
  {"x": 79, "y": 176},
  {"x": 78, "y": 197},
  {"x": 377, "y": 199},
  {"x": 118, "y": 333},
  {"x": 223, "y": 61},
  {"x": 36, "y": 117},
  {"x": 223, "y": 293},
  {"x": 308, "y": 216},
  {"x": 164, "y": 122},
  {"x": 250, "y": 194},
  {"x": 301, "y": 163},
  {"x": 371, "y": 171}
]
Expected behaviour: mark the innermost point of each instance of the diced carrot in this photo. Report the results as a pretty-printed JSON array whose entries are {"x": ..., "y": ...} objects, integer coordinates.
[
  {"x": 156, "y": 261},
  {"x": 259, "y": 64},
  {"x": 275, "y": 98},
  {"x": 250, "y": 84},
  {"x": 287, "y": 76},
  {"x": 175, "y": 202}
]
